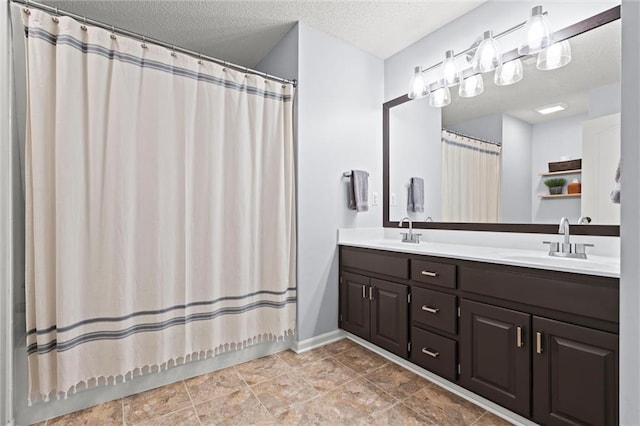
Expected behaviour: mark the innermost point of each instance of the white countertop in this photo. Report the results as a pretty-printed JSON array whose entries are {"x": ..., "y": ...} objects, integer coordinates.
[{"x": 595, "y": 264}]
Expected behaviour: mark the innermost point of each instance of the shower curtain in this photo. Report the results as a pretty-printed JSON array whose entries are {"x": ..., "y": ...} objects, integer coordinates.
[
  {"x": 470, "y": 179},
  {"x": 159, "y": 207}
]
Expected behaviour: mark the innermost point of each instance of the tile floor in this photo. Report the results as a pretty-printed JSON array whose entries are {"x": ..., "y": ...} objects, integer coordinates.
[{"x": 338, "y": 384}]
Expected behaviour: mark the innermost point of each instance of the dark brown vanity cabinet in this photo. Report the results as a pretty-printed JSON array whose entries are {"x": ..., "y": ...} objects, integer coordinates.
[
  {"x": 575, "y": 374},
  {"x": 495, "y": 354},
  {"x": 543, "y": 344},
  {"x": 375, "y": 310}
]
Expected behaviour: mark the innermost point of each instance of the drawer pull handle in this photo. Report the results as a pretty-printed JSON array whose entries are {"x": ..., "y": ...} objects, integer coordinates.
[
  {"x": 431, "y": 354},
  {"x": 371, "y": 293},
  {"x": 538, "y": 342},
  {"x": 431, "y": 310},
  {"x": 429, "y": 273},
  {"x": 519, "y": 337},
  {"x": 364, "y": 291}
]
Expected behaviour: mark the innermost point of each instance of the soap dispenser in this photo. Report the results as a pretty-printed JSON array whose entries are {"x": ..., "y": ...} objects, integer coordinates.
[{"x": 575, "y": 187}]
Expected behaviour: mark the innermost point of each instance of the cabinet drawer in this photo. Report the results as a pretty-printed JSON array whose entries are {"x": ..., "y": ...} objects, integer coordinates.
[
  {"x": 441, "y": 274},
  {"x": 434, "y": 309},
  {"x": 433, "y": 352},
  {"x": 376, "y": 262}
]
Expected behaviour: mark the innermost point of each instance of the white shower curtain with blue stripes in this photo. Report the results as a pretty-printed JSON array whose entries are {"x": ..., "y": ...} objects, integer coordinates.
[{"x": 160, "y": 207}]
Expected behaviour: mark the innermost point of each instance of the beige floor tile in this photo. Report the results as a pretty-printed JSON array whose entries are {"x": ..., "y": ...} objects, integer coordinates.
[
  {"x": 281, "y": 393},
  {"x": 490, "y": 419},
  {"x": 109, "y": 413},
  {"x": 262, "y": 369},
  {"x": 340, "y": 346},
  {"x": 399, "y": 414},
  {"x": 186, "y": 417},
  {"x": 358, "y": 399},
  {"x": 327, "y": 374},
  {"x": 361, "y": 360},
  {"x": 315, "y": 412},
  {"x": 240, "y": 407},
  {"x": 156, "y": 403},
  {"x": 442, "y": 407},
  {"x": 397, "y": 381},
  {"x": 213, "y": 385},
  {"x": 295, "y": 360}
]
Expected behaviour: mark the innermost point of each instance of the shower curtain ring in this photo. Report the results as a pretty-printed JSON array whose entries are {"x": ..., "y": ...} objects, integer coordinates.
[
  {"x": 173, "y": 51},
  {"x": 113, "y": 32},
  {"x": 246, "y": 72},
  {"x": 144, "y": 42},
  {"x": 55, "y": 18},
  {"x": 83, "y": 27},
  {"x": 225, "y": 63},
  {"x": 199, "y": 58}
]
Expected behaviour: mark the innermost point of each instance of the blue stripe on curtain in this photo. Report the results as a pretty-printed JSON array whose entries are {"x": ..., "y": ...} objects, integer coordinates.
[
  {"x": 54, "y": 345},
  {"x": 147, "y": 63}
]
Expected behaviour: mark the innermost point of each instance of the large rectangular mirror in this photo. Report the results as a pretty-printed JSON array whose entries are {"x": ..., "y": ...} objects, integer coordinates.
[{"x": 484, "y": 162}]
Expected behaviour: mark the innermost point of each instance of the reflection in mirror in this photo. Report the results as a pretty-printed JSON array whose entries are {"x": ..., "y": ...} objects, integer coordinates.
[{"x": 486, "y": 159}]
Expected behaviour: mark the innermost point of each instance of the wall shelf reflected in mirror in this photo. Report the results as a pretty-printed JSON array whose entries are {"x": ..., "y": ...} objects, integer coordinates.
[{"x": 419, "y": 141}]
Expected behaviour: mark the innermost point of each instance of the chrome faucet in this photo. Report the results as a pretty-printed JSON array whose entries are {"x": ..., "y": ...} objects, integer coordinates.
[
  {"x": 567, "y": 249},
  {"x": 408, "y": 237}
]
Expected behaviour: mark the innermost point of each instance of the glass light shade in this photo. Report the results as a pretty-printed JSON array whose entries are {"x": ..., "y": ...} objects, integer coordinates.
[
  {"x": 417, "y": 86},
  {"x": 555, "y": 56},
  {"x": 538, "y": 33},
  {"x": 508, "y": 73},
  {"x": 471, "y": 86},
  {"x": 488, "y": 56},
  {"x": 440, "y": 98},
  {"x": 450, "y": 71}
]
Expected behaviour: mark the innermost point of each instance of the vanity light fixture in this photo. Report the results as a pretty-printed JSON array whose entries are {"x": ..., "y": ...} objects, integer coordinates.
[
  {"x": 488, "y": 56},
  {"x": 418, "y": 88},
  {"x": 550, "y": 109},
  {"x": 508, "y": 73},
  {"x": 471, "y": 86},
  {"x": 440, "y": 97},
  {"x": 555, "y": 56},
  {"x": 450, "y": 71},
  {"x": 538, "y": 33}
]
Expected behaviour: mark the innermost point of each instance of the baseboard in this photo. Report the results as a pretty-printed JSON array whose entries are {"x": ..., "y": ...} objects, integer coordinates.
[
  {"x": 317, "y": 341},
  {"x": 443, "y": 383}
]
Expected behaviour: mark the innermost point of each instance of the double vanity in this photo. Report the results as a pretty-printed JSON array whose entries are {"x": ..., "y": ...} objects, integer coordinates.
[{"x": 533, "y": 333}]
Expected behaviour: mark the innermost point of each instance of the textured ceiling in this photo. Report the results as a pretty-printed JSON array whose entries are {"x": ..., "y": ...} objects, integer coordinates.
[
  {"x": 596, "y": 61},
  {"x": 243, "y": 32}
]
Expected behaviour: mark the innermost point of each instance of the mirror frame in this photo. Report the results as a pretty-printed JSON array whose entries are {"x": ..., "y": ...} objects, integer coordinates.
[{"x": 578, "y": 28}]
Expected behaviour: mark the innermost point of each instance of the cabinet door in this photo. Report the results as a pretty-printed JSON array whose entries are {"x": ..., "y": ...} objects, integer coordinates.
[
  {"x": 354, "y": 309},
  {"x": 575, "y": 374},
  {"x": 390, "y": 316},
  {"x": 495, "y": 354}
]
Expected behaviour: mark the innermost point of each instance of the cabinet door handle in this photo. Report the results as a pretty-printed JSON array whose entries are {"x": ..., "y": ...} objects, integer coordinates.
[
  {"x": 370, "y": 292},
  {"x": 364, "y": 291},
  {"x": 538, "y": 342},
  {"x": 431, "y": 310},
  {"x": 429, "y": 273},
  {"x": 431, "y": 354},
  {"x": 519, "y": 337}
]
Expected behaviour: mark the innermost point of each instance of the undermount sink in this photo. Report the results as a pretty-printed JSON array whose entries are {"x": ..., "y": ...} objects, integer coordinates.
[{"x": 544, "y": 258}]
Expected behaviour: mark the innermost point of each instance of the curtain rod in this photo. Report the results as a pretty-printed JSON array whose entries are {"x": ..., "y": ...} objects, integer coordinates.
[
  {"x": 145, "y": 39},
  {"x": 471, "y": 137}
]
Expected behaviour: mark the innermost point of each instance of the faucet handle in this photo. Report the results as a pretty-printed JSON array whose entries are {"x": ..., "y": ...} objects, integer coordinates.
[
  {"x": 554, "y": 246},
  {"x": 580, "y": 248}
]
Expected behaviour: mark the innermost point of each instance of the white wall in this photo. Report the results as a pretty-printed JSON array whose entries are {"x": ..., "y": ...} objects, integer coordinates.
[
  {"x": 415, "y": 151},
  {"x": 515, "y": 175},
  {"x": 461, "y": 33},
  {"x": 630, "y": 212},
  {"x": 339, "y": 129},
  {"x": 552, "y": 140},
  {"x": 605, "y": 100},
  {"x": 6, "y": 283},
  {"x": 488, "y": 128},
  {"x": 282, "y": 60}
]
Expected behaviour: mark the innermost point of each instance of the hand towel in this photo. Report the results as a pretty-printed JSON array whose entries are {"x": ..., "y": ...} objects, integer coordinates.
[
  {"x": 415, "y": 197},
  {"x": 359, "y": 190},
  {"x": 615, "y": 194}
]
